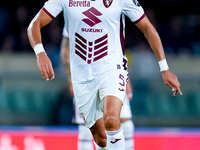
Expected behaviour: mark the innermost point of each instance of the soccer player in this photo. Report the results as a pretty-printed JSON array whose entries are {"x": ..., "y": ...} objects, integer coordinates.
[
  {"x": 84, "y": 135},
  {"x": 96, "y": 60}
]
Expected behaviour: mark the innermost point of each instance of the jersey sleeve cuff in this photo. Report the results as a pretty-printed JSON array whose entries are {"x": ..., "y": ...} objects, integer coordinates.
[
  {"x": 139, "y": 18},
  {"x": 47, "y": 12}
]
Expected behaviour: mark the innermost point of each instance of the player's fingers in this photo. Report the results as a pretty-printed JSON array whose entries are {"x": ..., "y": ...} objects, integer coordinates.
[
  {"x": 176, "y": 88},
  {"x": 45, "y": 74},
  {"x": 45, "y": 66},
  {"x": 179, "y": 91},
  {"x": 52, "y": 75},
  {"x": 50, "y": 72},
  {"x": 41, "y": 70},
  {"x": 172, "y": 81},
  {"x": 175, "y": 91},
  {"x": 172, "y": 87}
]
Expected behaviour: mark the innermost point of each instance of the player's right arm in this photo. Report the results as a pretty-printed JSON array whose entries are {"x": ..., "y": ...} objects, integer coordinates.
[
  {"x": 155, "y": 43},
  {"x": 34, "y": 35}
]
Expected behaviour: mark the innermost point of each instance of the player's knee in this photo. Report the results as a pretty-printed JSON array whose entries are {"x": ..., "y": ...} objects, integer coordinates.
[{"x": 111, "y": 122}]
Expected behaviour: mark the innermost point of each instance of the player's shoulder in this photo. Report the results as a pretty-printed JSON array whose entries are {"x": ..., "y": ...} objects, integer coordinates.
[
  {"x": 56, "y": 1},
  {"x": 136, "y": 2},
  {"x": 133, "y": 2}
]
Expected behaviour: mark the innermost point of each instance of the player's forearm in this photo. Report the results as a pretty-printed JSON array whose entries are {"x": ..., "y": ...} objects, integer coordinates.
[
  {"x": 155, "y": 42},
  {"x": 34, "y": 29},
  {"x": 34, "y": 33},
  {"x": 152, "y": 37},
  {"x": 156, "y": 45}
]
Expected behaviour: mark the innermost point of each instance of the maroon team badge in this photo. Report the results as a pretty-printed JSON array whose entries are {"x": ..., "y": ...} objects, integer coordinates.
[{"x": 107, "y": 3}]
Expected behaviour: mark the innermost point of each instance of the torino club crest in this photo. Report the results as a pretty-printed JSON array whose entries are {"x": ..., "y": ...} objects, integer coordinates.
[{"x": 107, "y": 3}]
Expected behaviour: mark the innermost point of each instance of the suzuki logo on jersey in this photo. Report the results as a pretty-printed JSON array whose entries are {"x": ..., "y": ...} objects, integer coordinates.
[
  {"x": 92, "y": 19},
  {"x": 107, "y": 3},
  {"x": 91, "y": 51}
]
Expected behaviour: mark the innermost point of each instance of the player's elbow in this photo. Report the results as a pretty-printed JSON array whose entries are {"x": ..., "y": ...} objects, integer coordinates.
[
  {"x": 29, "y": 30},
  {"x": 33, "y": 26}
]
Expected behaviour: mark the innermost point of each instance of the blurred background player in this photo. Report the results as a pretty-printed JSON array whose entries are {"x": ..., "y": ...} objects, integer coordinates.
[{"x": 84, "y": 134}]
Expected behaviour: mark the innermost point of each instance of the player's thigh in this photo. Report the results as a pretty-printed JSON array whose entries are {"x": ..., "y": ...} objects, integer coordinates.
[
  {"x": 112, "y": 106},
  {"x": 112, "y": 91},
  {"x": 111, "y": 114}
]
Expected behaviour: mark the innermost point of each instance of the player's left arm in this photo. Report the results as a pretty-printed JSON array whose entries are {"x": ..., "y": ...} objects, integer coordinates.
[{"x": 155, "y": 43}]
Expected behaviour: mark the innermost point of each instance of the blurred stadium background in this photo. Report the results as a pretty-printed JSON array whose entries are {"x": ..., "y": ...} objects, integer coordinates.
[{"x": 26, "y": 99}]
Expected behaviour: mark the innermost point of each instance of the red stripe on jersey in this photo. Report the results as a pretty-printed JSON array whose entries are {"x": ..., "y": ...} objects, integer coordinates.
[
  {"x": 48, "y": 13},
  {"x": 101, "y": 56},
  {"x": 140, "y": 19},
  {"x": 101, "y": 39},
  {"x": 101, "y": 50}
]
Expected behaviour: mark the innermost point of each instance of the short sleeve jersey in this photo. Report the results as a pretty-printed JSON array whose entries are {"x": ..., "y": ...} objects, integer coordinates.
[{"x": 94, "y": 33}]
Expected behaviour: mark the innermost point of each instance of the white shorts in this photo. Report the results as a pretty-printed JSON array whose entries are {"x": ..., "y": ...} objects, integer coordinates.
[
  {"x": 77, "y": 118},
  {"x": 125, "y": 111},
  {"x": 89, "y": 95}
]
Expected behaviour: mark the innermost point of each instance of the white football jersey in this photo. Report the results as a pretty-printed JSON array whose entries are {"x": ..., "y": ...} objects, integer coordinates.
[
  {"x": 126, "y": 110},
  {"x": 94, "y": 32}
]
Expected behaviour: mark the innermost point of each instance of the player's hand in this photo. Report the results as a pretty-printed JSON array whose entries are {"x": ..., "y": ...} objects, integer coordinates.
[
  {"x": 45, "y": 66},
  {"x": 172, "y": 81}
]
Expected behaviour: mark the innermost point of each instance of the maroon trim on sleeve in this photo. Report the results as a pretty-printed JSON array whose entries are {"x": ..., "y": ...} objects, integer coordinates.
[
  {"x": 48, "y": 13},
  {"x": 140, "y": 19}
]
